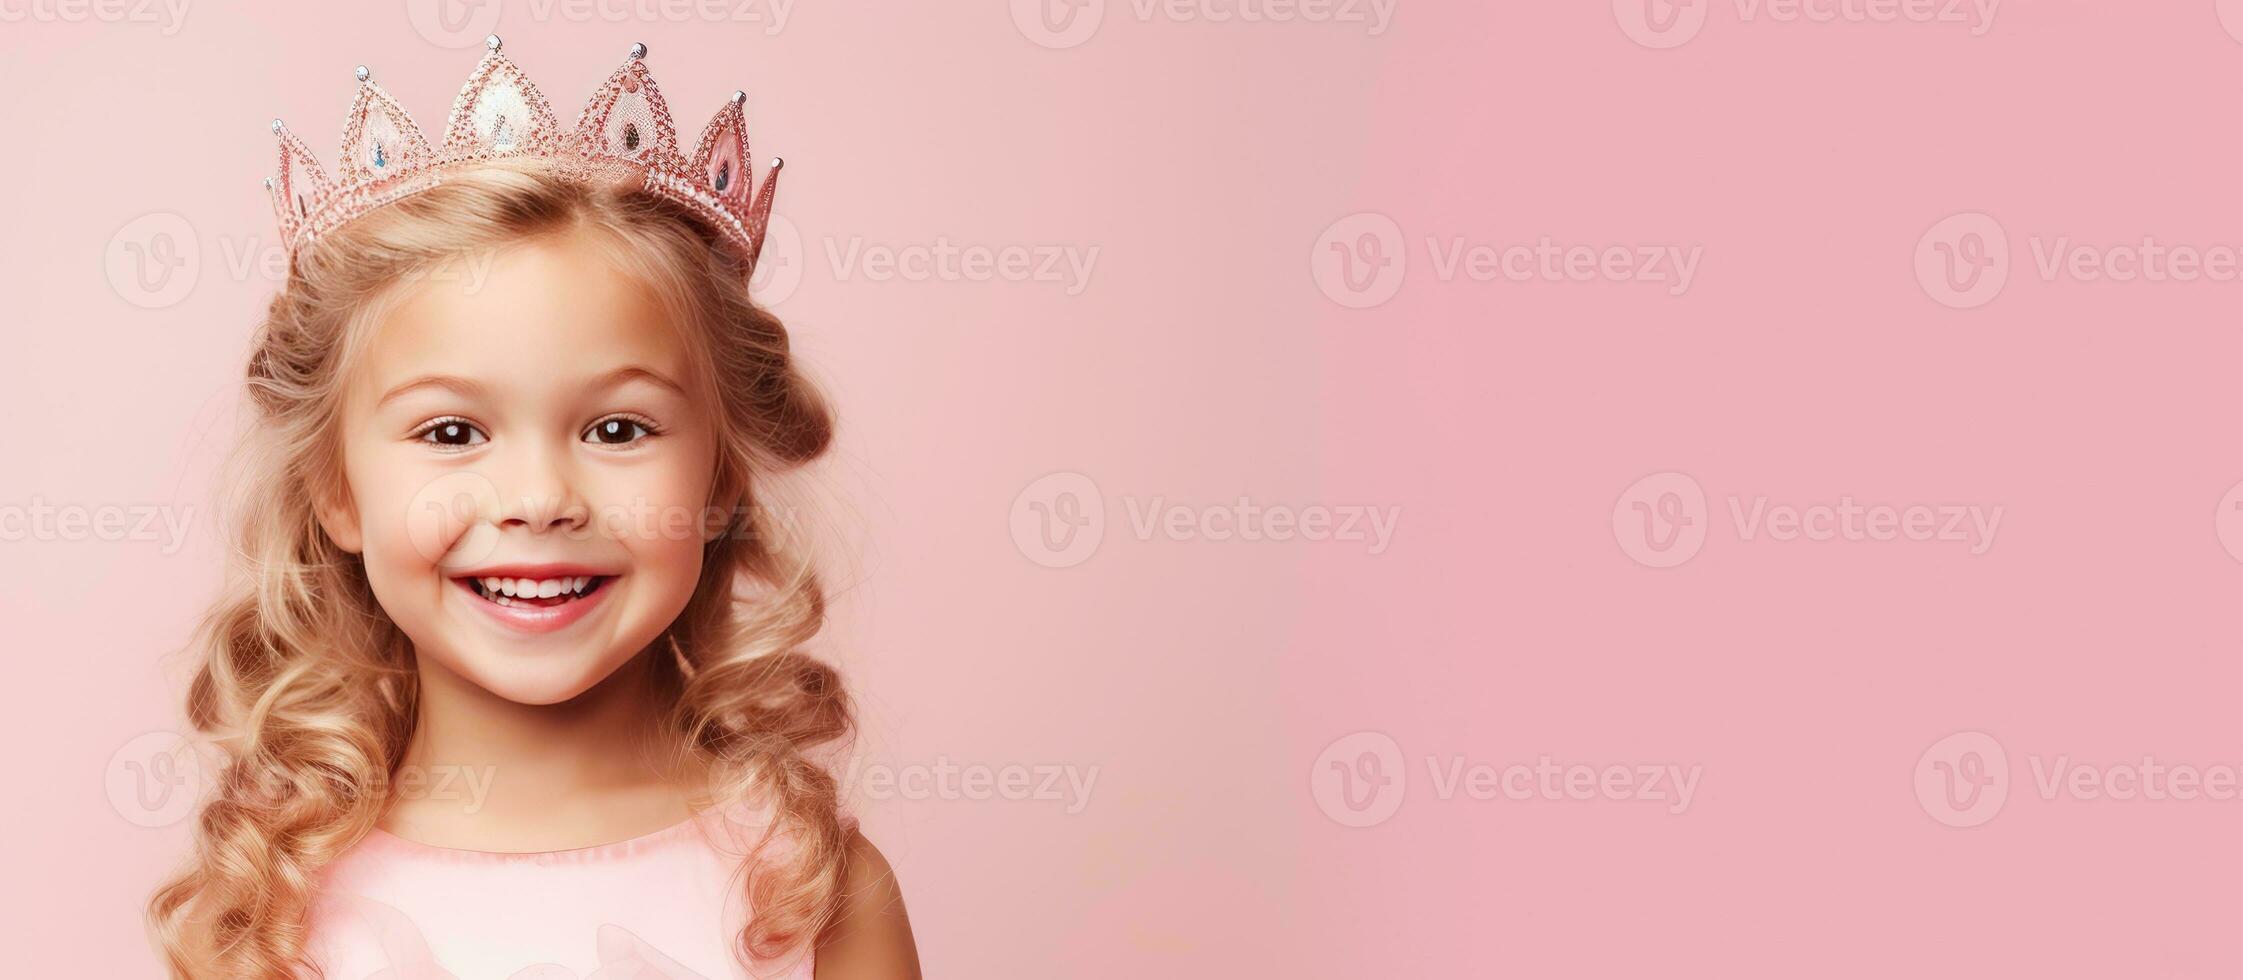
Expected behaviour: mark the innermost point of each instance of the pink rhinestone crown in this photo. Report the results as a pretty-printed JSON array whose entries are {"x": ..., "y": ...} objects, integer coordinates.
[{"x": 624, "y": 132}]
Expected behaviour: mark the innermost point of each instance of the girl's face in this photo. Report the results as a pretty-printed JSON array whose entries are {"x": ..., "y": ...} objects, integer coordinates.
[{"x": 528, "y": 476}]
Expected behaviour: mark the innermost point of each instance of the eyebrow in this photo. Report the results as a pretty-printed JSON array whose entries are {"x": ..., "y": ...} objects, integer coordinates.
[
  {"x": 634, "y": 372},
  {"x": 445, "y": 381},
  {"x": 470, "y": 389}
]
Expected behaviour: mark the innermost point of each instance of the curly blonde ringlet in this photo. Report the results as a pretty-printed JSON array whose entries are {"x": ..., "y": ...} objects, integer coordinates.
[{"x": 309, "y": 689}]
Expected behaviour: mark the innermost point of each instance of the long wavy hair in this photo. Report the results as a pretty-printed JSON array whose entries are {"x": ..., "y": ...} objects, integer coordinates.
[{"x": 309, "y": 690}]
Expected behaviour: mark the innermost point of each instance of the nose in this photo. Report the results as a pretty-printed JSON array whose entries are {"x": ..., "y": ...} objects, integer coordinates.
[{"x": 538, "y": 491}]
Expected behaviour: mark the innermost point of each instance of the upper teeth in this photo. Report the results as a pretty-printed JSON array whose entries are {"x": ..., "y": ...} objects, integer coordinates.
[{"x": 529, "y": 588}]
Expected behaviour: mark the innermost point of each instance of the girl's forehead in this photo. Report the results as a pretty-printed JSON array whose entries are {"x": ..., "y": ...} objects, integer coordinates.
[{"x": 551, "y": 311}]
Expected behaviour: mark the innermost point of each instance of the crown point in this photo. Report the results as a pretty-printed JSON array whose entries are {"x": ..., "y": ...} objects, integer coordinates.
[
  {"x": 268, "y": 183},
  {"x": 638, "y": 51},
  {"x": 491, "y": 42},
  {"x": 777, "y": 162},
  {"x": 739, "y": 97},
  {"x": 363, "y": 74},
  {"x": 278, "y": 128}
]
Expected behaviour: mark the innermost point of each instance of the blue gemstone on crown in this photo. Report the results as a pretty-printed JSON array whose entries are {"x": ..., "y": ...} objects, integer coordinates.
[{"x": 380, "y": 159}]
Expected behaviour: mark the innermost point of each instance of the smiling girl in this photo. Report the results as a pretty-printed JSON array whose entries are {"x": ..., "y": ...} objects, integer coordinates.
[{"x": 509, "y": 680}]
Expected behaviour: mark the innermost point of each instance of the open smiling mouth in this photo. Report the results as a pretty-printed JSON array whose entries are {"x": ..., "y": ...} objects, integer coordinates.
[
  {"x": 542, "y": 604},
  {"x": 536, "y": 593}
]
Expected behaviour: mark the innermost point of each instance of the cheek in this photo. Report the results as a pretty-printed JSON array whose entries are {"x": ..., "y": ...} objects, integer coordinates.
[
  {"x": 412, "y": 518},
  {"x": 658, "y": 513},
  {"x": 447, "y": 520}
]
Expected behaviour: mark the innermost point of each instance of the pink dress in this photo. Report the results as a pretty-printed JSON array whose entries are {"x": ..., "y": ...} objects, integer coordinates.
[{"x": 665, "y": 906}]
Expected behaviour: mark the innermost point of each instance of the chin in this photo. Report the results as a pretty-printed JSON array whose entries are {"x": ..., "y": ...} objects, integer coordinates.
[{"x": 539, "y": 680}]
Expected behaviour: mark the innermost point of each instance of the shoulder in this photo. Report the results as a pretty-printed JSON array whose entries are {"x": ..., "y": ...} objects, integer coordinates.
[{"x": 870, "y": 936}]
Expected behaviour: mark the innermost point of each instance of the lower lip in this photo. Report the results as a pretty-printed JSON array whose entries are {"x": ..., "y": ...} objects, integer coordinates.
[{"x": 538, "y": 619}]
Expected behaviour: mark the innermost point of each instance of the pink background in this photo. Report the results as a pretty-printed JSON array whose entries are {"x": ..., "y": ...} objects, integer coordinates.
[{"x": 1817, "y": 683}]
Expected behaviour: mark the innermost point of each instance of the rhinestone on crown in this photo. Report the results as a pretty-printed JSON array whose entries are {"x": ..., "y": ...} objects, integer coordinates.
[{"x": 624, "y": 132}]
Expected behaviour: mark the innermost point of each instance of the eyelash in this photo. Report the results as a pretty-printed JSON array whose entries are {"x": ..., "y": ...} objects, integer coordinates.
[
  {"x": 430, "y": 427},
  {"x": 648, "y": 425},
  {"x": 421, "y": 433}
]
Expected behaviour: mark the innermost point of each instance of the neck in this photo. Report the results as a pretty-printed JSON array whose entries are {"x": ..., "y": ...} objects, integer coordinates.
[{"x": 480, "y": 769}]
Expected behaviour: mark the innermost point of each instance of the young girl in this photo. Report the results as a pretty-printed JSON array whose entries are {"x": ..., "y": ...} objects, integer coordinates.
[{"x": 508, "y": 682}]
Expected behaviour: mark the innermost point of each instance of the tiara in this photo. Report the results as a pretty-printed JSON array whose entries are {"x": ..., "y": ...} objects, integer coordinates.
[{"x": 624, "y": 132}]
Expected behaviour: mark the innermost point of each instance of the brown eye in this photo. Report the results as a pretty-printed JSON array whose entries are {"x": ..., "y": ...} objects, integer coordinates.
[
  {"x": 617, "y": 431},
  {"x": 451, "y": 433}
]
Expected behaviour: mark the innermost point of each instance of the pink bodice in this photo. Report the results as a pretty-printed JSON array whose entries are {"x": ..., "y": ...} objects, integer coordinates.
[{"x": 665, "y": 906}]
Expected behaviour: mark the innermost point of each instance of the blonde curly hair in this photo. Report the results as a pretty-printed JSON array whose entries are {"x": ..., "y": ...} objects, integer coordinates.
[{"x": 310, "y": 691}]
